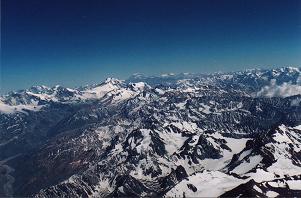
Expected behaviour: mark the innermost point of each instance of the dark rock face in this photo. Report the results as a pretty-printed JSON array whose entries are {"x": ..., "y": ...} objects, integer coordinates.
[
  {"x": 154, "y": 136},
  {"x": 254, "y": 189}
]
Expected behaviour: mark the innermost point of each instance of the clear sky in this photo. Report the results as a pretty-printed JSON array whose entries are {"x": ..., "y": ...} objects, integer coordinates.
[{"x": 78, "y": 42}]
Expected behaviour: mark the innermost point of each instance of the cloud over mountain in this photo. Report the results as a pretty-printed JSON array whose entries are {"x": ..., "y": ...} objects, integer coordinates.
[{"x": 283, "y": 90}]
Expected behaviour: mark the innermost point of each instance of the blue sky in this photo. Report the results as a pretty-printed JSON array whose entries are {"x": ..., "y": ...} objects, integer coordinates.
[{"x": 81, "y": 42}]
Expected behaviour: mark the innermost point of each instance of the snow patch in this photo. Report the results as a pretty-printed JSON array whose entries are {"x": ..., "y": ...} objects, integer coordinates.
[
  {"x": 246, "y": 166},
  {"x": 294, "y": 184},
  {"x": 272, "y": 194},
  {"x": 205, "y": 183}
]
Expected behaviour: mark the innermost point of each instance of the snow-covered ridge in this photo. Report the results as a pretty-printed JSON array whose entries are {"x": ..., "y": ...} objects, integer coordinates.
[
  {"x": 34, "y": 98},
  {"x": 8, "y": 109},
  {"x": 281, "y": 82},
  {"x": 162, "y": 136}
]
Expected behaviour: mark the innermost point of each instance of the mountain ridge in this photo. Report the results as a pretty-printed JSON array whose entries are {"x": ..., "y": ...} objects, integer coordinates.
[{"x": 157, "y": 136}]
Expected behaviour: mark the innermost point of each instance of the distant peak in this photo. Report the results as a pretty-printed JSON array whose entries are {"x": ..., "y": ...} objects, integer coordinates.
[
  {"x": 41, "y": 87},
  {"x": 168, "y": 74},
  {"x": 37, "y": 89},
  {"x": 112, "y": 80},
  {"x": 292, "y": 69},
  {"x": 137, "y": 75},
  {"x": 57, "y": 86},
  {"x": 139, "y": 85}
]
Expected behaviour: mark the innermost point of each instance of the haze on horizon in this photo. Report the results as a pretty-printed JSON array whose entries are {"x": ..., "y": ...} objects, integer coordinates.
[{"x": 82, "y": 42}]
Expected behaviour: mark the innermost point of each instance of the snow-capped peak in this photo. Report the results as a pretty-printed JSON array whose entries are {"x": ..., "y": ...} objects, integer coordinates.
[
  {"x": 167, "y": 75},
  {"x": 251, "y": 83},
  {"x": 112, "y": 81},
  {"x": 110, "y": 84},
  {"x": 138, "y": 86}
]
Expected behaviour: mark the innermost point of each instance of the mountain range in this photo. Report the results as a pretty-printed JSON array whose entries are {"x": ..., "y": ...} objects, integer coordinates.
[{"x": 186, "y": 135}]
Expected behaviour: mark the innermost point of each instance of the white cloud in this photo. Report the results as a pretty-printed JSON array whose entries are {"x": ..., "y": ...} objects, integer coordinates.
[{"x": 284, "y": 90}]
